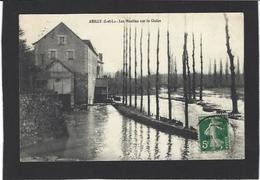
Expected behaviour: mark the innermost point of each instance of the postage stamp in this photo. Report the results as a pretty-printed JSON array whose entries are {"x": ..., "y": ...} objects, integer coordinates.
[{"x": 213, "y": 133}]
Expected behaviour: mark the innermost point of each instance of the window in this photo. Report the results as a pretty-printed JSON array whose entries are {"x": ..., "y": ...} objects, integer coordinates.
[
  {"x": 42, "y": 59},
  {"x": 61, "y": 40},
  {"x": 70, "y": 54},
  {"x": 53, "y": 54}
]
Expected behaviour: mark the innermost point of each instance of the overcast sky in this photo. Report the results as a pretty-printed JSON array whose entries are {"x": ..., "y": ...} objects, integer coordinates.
[{"x": 107, "y": 38}]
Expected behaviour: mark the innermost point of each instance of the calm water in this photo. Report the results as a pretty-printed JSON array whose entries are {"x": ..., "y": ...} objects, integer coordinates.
[{"x": 102, "y": 133}]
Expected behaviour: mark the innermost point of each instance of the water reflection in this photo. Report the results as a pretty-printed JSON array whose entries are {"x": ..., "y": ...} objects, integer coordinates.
[
  {"x": 169, "y": 149},
  {"x": 102, "y": 133},
  {"x": 156, "y": 147},
  {"x": 148, "y": 143},
  {"x": 141, "y": 141},
  {"x": 185, "y": 151}
]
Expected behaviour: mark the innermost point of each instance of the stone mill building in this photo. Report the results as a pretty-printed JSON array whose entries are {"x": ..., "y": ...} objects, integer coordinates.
[{"x": 68, "y": 65}]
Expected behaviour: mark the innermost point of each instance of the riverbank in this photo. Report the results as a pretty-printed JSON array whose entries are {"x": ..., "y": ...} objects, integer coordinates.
[
  {"x": 41, "y": 119},
  {"x": 164, "y": 125}
]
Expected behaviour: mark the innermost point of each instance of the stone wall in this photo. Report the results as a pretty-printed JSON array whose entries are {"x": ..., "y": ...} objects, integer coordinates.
[
  {"x": 41, "y": 118},
  {"x": 81, "y": 88}
]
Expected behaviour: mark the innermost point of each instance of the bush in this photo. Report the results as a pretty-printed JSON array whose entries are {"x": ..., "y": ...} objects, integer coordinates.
[{"x": 41, "y": 118}]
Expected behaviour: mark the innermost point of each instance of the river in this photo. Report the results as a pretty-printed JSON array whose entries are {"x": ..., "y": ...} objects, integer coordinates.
[{"x": 102, "y": 133}]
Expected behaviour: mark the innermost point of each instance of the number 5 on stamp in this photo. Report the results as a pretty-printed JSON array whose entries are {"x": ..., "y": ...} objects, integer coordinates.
[{"x": 213, "y": 133}]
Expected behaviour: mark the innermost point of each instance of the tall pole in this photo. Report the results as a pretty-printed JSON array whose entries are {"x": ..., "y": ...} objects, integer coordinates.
[
  {"x": 157, "y": 79},
  {"x": 169, "y": 69},
  {"x": 148, "y": 66},
  {"x": 201, "y": 69},
  {"x": 130, "y": 73},
  {"x": 141, "y": 69},
  {"x": 135, "y": 73}
]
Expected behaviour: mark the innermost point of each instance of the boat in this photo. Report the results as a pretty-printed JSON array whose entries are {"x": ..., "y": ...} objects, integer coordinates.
[{"x": 165, "y": 125}]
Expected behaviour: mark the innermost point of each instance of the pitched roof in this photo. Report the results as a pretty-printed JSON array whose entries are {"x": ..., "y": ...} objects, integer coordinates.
[
  {"x": 58, "y": 61},
  {"x": 87, "y": 42}
]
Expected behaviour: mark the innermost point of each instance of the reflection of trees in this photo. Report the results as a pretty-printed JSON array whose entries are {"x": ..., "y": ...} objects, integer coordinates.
[
  {"x": 156, "y": 147},
  {"x": 129, "y": 140},
  {"x": 148, "y": 143},
  {"x": 135, "y": 139},
  {"x": 185, "y": 152},
  {"x": 169, "y": 153},
  {"x": 141, "y": 141},
  {"x": 124, "y": 138}
]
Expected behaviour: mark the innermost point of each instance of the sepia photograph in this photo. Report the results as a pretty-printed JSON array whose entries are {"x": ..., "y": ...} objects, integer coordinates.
[{"x": 131, "y": 87}]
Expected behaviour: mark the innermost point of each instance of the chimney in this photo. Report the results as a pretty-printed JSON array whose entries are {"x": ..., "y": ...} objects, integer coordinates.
[{"x": 100, "y": 56}]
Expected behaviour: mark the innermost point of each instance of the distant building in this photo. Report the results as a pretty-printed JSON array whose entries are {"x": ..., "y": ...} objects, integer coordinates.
[{"x": 69, "y": 65}]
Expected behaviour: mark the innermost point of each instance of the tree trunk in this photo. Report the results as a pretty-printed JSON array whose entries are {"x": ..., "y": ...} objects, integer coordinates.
[
  {"x": 126, "y": 68},
  {"x": 220, "y": 74},
  {"x": 184, "y": 58},
  {"x": 141, "y": 66},
  {"x": 194, "y": 72},
  {"x": 232, "y": 69},
  {"x": 130, "y": 72},
  {"x": 157, "y": 79},
  {"x": 175, "y": 76},
  {"x": 148, "y": 86},
  {"x": 135, "y": 73},
  {"x": 201, "y": 69},
  {"x": 215, "y": 74},
  {"x": 123, "y": 91},
  {"x": 189, "y": 79},
  {"x": 169, "y": 69}
]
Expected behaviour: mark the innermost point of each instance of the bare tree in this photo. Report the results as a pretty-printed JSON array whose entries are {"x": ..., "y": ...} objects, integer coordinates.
[
  {"x": 220, "y": 73},
  {"x": 126, "y": 69},
  {"x": 130, "y": 73},
  {"x": 184, "y": 64},
  {"x": 135, "y": 73},
  {"x": 176, "y": 75},
  {"x": 157, "y": 79},
  {"x": 238, "y": 72},
  {"x": 201, "y": 69},
  {"x": 148, "y": 80},
  {"x": 215, "y": 74},
  {"x": 188, "y": 69},
  {"x": 226, "y": 74},
  {"x": 124, "y": 66},
  {"x": 193, "y": 67},
  {"x": 141, "y": 69},
  {"x": 232, "y": 68},
  {"x": 169, "y": 69}
]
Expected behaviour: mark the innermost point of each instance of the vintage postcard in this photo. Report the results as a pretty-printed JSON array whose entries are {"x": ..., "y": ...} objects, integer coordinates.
[{"x": 131, "y": 87}]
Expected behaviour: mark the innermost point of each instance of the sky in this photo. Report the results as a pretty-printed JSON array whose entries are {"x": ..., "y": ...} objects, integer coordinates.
[{"x": 106, "y": 34}]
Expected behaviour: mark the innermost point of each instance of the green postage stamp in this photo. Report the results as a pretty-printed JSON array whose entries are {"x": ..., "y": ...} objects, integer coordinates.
[{"x": 213, "y": 133}]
